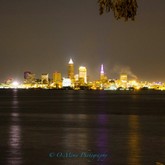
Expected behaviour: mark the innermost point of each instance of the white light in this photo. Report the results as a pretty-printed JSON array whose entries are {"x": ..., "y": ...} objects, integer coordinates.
[
  {"x": 70, "y": 61},
  {"x": 15, "y": 84},
  {"x": 66, "y": 82}
]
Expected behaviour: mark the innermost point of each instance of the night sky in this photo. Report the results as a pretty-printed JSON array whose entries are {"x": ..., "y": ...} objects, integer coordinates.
[{"x": 42, "y": 35}]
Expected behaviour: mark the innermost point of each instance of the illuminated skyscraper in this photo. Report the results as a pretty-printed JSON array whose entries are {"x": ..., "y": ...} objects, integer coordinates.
[
  {"x": 82, "y": 75},
  {"x": 103, "y": 77},
  {"x": 71, "y": 69},
  {"x": 102, "y": 73},
  {"x": 57, "y": 78}
]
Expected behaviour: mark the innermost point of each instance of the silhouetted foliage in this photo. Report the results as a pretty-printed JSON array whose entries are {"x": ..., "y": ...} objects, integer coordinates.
[{"x": 121, "y": 8}]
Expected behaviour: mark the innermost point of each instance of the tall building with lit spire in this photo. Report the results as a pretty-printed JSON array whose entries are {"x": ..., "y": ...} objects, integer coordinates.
[
  {"x": 102, "y": 76},
  {"x": 71, "y": 69}
]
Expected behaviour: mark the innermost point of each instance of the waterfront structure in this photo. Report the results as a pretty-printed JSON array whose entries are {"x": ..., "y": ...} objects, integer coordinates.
[
  {"x": 82, "y": 75},
  {"x": 111, "y": 85},
  {"x": 71, "y": 70},
  {"x": 133, "y": 84}
]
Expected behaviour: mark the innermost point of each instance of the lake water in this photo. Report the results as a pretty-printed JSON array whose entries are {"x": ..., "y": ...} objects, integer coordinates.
[{"x": 58, "y": 127}]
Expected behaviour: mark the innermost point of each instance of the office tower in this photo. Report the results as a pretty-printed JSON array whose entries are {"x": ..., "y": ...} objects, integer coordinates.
[
  {"x": 82, "y": 75},
  {"x": 71, "y": 69},
  {"x": 102, "y": 73},
  {"x": 103, "y": 77},
  {"x": 57, "y": 77}
]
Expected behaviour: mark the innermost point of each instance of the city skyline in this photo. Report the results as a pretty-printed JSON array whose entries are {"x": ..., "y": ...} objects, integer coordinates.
[
  {"x": 71, "y": 71},
  {"x": 81, "y": 81},
  {"x": 41, "y": 38}
]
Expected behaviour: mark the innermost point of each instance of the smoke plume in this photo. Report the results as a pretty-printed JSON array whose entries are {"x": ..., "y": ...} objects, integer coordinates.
[{"x": 118, "y": 69}]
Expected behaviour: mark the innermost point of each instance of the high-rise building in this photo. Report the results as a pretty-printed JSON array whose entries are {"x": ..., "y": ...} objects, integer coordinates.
[
  {"x": 57, "y": 78},
  {"x": 102, "y": 73},
  {"x": 82, "y": 75},
  {"x": 71, "y": 69},
  {"x": 103, "y": 77}
]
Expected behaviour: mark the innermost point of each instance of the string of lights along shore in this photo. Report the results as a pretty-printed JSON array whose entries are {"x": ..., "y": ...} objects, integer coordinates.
[{"x": 80, "y": 81}]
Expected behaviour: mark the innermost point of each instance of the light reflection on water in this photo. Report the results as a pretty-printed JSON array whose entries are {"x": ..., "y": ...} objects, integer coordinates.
[
  {"x": 14, "y": 156},
  {"x": 35, "y": 125},
  {"x": 80, "y": 140},
  {"x": 75, "y": 136},
  {"x": 14, "y": 142},
  {"x": 102, "y": 137},
  {"x": 102, "y": 140},
  {"x": 134, "y": 140}
]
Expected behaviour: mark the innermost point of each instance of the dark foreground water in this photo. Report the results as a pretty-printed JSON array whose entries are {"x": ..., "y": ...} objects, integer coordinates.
[{"x": 48, "y": 127}]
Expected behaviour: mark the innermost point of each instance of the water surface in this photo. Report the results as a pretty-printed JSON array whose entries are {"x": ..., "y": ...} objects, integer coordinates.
[{"x": 48, "y": 127}]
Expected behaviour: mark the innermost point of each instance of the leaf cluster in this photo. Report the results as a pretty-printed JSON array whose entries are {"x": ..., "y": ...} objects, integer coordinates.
[{"x": 121, "y": 8}]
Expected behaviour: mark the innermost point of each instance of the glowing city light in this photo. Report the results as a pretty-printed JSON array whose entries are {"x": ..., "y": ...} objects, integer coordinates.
[
  {"x": 81, "y": 80},
  {"x": 15, "y": 84}
]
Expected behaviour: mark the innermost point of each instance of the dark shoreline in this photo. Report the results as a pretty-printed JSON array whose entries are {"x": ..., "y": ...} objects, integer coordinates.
[{"x": 141, "y": 91}]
